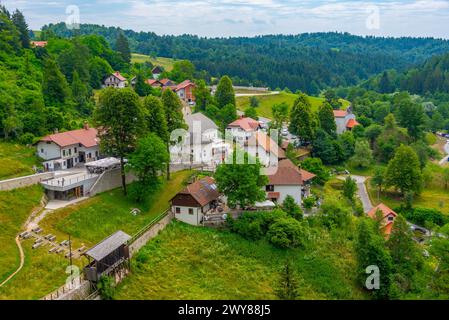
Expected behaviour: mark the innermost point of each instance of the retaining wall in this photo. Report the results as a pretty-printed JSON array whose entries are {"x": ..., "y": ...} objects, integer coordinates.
[
  {"x": 25, "y": 181},
  {"x": 110, "y": 180}
]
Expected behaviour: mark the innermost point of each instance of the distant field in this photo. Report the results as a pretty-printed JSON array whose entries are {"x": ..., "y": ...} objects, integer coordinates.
[
  {"x": 16, "y": 160},
  {"x": 267, "y": 101},
  {"x": 187, "y": 262},
  {"x": 166, "y": 63}
]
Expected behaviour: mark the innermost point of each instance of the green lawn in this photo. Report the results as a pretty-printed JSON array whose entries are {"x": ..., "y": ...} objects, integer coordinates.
[
  {"x": 166, "y": 63},
  {"x": 42, "y": 272},
  {"x": 16, "y": 160},
  {"x": 267, "y": 101},
  {"x": 15, "y": 207},
  {"x": 187, "y": 262}
]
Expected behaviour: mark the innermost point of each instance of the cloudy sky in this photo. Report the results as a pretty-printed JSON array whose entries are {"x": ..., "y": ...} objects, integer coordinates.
[{"x": 249, "y": 17}]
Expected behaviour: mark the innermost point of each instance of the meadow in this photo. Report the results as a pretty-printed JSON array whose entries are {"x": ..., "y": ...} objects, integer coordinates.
[
  {"x": 166, "y": 63},
  {"x": 187, "y": 262},
  {"x": 267, "y": 101},
  {"x": 16, "y": 160}
]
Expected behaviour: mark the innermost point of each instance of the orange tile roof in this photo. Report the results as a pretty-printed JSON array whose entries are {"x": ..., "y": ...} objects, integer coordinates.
[
  {"x": 119, "y": 76},
  {"x": 340, "y": 113},
  {"x": 86, "y": 137},
  {"x": 386, "y": 211},
  {"x": 269, "y": 145},
  {"x": 352, "y": 123},
  {"x": 288, "y": 173},
  {"x": 39, "y": 43},
  {"x": 184, "y": 84},
  {"x": 246, "y": 124}
]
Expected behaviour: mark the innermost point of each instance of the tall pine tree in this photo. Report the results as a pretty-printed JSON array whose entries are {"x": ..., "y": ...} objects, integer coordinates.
[
  {"x": 19, "y": 21},
  {"x": 122, "y": 46}
]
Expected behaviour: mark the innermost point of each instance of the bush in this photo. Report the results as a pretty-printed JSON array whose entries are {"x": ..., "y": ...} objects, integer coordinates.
[
  {"x": 291, "y": 208},
  {"x": 254, "y": 225},
  {"x": 425, "y": 216},
  {"x": 27, "y": 138},
  {"x": 309, "y": 202},
  {"x": 106, "y": 288},
  {"x": 287, "y": 233},
  {"x": 333, "y": 214}
]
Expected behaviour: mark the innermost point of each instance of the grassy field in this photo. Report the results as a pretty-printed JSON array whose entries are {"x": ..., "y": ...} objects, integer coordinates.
[
  {"x": 166, "y": 63},
  {"x": 96, "y": 218},
  {"x": 267, "y": 101},
  {"x": 42, "y": 272},
  {"x": 186, "y": 262},
  {"x": 16, "y": 160},
  {"x": 15, "y": 206}
]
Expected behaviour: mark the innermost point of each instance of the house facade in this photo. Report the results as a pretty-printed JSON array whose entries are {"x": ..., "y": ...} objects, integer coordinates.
[
  {"x": 192, "y": 204},
  {"x": 243, "y": 129},
  {"x": 184, "y": 90},
  {"x": 288, "y": 180},
  {"x": 202, "y": 145},
  {"x": 115, "y": 80},
  {"x": 66, "y": 150},
  {"x": 156, "y": 72},
  {"x": 261, "y": 146},
  {"x": 345, "y": 120}
]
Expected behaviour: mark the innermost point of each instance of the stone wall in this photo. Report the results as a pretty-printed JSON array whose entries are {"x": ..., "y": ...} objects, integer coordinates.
[
  {"x": 150, "y": 234},
  {"x": 25, "y": 181}
]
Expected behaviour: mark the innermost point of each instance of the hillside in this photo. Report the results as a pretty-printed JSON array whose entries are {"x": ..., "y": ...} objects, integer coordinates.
[
  {"x": 166, "y": 63},
  {"x": 267, "y": 101},
  {"x": 309, "y": 62}
]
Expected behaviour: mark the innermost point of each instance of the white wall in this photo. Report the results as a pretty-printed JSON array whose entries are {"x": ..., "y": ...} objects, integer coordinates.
[
  {"x": 184, "y": 216},
  {"x": 48, "y": 150},
  {"x": 285, "y": 190}
]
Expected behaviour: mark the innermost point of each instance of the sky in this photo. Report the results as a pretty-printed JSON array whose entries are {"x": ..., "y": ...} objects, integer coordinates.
[{"x": 223, "y": 18}]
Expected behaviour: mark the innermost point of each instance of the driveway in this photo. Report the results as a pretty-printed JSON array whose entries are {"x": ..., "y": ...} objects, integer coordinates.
[{"x": 361, "y": 191}]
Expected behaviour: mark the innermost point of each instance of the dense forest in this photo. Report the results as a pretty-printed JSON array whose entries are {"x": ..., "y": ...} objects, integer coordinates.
[{"x": 309, "y": 62}]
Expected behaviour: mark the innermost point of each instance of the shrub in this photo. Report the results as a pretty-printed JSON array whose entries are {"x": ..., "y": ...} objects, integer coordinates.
[
  {"x": 291, "y": 208},
  {"x": 333, "y": 214},
  {"x": 254, "y": 225},
  {"x": 106, "y": 288},
  {"x": 27, "y": 138},
  {"x": 287, "y": 233},
  {"x": 425, "y": 216},
  {"x": 309, "y": 202}
]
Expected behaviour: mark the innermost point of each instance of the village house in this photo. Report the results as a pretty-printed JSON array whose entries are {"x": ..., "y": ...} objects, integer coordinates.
[
  {"x": 202, "y": 145},
  {"x": 288, "y": 180},
  {"x": 387, "y": 217},
  {"x": 242, "y": 129},
  {"x": 40, "y": 44},
  {"x": 115, "y": 80},
  {"x": 193, "y": 203},
  {"x": 67, "y": 149},
  {"x": 345, "y": 120},
  {"x": 263, "y": 147},
  {"x": 156, "y": 72},
  {"x": 184, "y": 90}
]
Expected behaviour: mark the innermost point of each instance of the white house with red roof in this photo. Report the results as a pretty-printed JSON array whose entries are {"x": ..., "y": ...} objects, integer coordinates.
[
  {"x": 67, "y": 149},
  {"x": 115, "y": 80},
  {"x": 345, "y": 120},
  {"x": 287, "y": 180},
  {"x": 261, "y": 146},
  {"x": 242, "y": 129}
]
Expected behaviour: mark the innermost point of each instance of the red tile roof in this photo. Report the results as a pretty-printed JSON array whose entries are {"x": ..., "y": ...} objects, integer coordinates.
[
  {"x": 352, "y": 123},
  {"x": 184, "y": 84},
  {"x": 203, "y": 191},
  {"x": 152, "y": 82},
  {"x": 289, "y": 174},
  {"x": 246, "y": 124},
  {"x": 118, "y": 75},
  {"x": 340, "y": 113},
  {"x": 39, "y": 43},
  {"x": 87, "y": 137},
  {"x": 386, "y": 211},
  {"x": 259, "y": 138}
]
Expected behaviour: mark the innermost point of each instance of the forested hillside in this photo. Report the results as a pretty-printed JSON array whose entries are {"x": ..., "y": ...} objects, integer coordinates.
[
  {"x": 431, "y": 77},
  {"x": 309, "y": 62}
]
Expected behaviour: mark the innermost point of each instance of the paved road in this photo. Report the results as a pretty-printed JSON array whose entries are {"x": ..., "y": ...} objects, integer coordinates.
[
  {"x": 446, "y": 149},
  {"x": 361, "y": 192},
  {"x": 256, "y": 94}
]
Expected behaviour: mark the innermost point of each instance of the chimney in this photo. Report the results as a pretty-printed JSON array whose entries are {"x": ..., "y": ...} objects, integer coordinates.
[{"x": 86, "y": 126}]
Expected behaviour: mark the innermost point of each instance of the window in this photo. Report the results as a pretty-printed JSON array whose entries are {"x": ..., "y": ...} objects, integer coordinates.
[
  {"x": 390, "y": 218},
  {"x": 63, "y": 153},
  {"x": 70, "y": 152},
  {"x": 42, "y": 150},
  {"x": 269, "y": 188},
  {"x": 178, "y": 210},
  {"x": 75, "y": 150},
  {"x": 96, "y": 154},
  {"x": 190, "y": 210}
]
